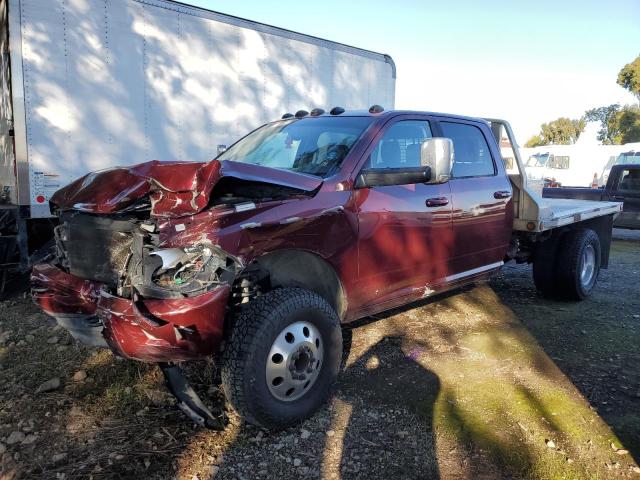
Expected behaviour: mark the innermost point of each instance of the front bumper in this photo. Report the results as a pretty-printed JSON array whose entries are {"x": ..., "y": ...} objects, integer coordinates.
[{"x": 150, "y": 330}]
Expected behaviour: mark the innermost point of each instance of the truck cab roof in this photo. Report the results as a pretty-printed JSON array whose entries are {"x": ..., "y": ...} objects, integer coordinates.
[{"x": 393, "y": 113}]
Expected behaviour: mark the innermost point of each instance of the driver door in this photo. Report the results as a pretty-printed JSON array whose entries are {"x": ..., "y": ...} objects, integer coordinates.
[{"x": 405, "y": 231}]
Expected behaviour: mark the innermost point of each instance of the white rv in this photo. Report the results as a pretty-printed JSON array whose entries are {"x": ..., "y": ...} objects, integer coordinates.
[{"x": 580, "y": 165}]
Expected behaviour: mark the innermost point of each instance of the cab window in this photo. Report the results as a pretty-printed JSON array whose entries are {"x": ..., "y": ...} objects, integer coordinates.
[
  {"x": 471, "y": 155},
  {"x": 630, "y": 182},
  {"x": 399, "y": 147},
  {"x": 559, "y": 162}
]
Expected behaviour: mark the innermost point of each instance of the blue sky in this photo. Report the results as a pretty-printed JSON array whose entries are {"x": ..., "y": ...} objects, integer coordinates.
[{"x": 526, "y": 61}]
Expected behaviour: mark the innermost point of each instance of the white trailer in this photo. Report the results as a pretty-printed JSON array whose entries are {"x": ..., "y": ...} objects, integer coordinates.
[{"x": 91, "y": 84}]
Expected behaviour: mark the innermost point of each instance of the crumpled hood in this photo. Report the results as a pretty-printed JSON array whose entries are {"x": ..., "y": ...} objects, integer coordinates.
[{"x": 174, "y": 188}]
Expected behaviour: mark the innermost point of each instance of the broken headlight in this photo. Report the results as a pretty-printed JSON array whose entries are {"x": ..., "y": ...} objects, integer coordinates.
[{"x": 178, "y": 272}]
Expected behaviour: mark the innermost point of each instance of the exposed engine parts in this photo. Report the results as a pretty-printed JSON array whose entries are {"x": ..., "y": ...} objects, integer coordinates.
[
  {"x": 178, "y": 272},
  {"x": 125, "y": 255}
]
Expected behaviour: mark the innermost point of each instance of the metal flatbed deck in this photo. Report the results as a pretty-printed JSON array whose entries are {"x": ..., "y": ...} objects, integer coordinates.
[{"x": 559, "y": 212}]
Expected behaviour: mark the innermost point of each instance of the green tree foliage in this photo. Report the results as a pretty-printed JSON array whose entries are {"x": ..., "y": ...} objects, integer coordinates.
[
  {"x": 609, "y": 133},
  {"x": 629, "y": 121},
  {"x": 617, "y": 124},
  {"x": 629, "y": 77},
  {"x": 534, "y": 141},
  {"x": 563, "y": 131}
]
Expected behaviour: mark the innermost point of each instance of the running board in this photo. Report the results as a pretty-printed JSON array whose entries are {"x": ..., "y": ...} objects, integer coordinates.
[{"x": 188, "y": 400}]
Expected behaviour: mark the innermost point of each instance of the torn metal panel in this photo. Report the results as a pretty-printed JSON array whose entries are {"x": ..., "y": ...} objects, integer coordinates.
[
  {"x": 56, "y": 291},
  {"x": 116, "y": 189},
  {"x": 164, "y": 330},
  {"x": 172, "y": 189},
  {"x": 70, "y": 300},
  {"x": 148, "y": 330}
]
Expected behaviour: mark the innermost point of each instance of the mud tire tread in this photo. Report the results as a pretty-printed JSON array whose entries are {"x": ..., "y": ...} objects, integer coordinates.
[{"x": 255, "y": 325}]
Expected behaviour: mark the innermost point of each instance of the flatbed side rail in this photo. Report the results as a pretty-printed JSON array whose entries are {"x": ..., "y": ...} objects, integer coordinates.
[{"x": 532, "y": 213}]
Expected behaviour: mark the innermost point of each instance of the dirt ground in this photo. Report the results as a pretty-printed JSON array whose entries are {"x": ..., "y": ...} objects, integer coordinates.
[{"x": 491, "y": 382}]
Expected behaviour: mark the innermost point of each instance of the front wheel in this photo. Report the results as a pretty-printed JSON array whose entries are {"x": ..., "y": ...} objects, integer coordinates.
[{"x": 282, "y": 356}]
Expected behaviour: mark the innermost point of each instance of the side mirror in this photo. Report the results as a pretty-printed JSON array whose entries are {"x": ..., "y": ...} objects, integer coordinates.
[
  {"x": 380, "y": 177},
  {"x": 437, "y": 154}
]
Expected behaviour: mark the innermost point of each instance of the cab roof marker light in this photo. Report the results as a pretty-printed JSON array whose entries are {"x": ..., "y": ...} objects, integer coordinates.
[
  {"x": 301, "y": 113},
  {"x": 287, "y": 115},
  {"x": 336, "y": 111},
  {"x": 376, "y": 109},
  {"x": 316, "y": 112}
]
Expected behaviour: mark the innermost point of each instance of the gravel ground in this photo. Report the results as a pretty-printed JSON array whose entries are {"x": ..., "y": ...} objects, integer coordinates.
[{"x": 491, "y": 382}]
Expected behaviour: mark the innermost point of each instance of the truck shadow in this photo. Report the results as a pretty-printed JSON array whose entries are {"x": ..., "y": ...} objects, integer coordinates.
[
  {"x": 397, "y": 373},
  {"x": 378, "y": 414},
  {"x": 505, "y": 396},
  {"x": 594, "y": 342}
]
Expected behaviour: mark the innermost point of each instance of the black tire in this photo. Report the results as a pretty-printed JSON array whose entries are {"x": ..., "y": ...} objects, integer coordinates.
[
  {"x": 544, "y": 267},
  {"x": 570, "y": 261},
  {"x": 249, "y": 339}
]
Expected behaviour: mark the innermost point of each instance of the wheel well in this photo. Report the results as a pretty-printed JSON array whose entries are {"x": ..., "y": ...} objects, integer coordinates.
[{"x": 298, "y": 268}]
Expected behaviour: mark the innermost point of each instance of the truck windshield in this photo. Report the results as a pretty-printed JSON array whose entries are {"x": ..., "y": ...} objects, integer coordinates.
[
  {"x": 538, "y": 160},
  {"x": 628, "y": 157},
  {"x": 316, "y": 146}
]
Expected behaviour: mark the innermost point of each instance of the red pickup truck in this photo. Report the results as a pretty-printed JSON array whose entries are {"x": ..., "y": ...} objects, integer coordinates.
[{"x": 305, "y": 224}]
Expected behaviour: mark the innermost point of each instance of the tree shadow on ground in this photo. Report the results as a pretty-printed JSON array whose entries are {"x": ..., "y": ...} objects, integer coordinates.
[
  {"x": 387, "y": 387},
  {"x": 501, "y": 394},
  {"x": 594, "y": 342}
]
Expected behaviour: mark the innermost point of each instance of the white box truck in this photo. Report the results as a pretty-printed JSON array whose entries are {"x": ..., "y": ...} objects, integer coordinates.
[{"x": 91, "y": 84}]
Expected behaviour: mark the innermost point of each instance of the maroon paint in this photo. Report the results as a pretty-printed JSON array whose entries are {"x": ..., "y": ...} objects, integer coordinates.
[
  {"x": 56, "y": 291},
  {"x": 176, "y": 188},
  {"x": 161, "y": 330},
  {"x": 482, "y": 224},
  {"x": 167, "y": 330},
  {"x": 385, "y": 244}
]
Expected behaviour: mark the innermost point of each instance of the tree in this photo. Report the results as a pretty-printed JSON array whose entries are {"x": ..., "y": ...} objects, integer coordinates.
[
  {"x": 629, "y": 77},
  {"x": 563, "y": 131},
  {"x": 629, "y": 121},
  {"x": 534, "y": 141},
  {"x": 618, "y": 125},
  {"x": 609, "y": 132}
]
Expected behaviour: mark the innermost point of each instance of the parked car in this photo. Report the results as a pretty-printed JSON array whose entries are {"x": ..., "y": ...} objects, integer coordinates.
[
  {"x": 304, "y": 225},
  {"x": 623, "y": 185}
]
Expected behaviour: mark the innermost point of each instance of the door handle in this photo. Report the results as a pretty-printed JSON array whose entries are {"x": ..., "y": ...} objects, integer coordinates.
[
  {"x": 437, "y": 202},
  {"x": 502, "y": 194}
]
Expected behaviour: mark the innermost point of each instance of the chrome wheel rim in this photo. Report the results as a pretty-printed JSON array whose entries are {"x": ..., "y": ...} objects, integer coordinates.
[
  {"x": 294, "y": 361},
  {"x": 588, "y": 271}
]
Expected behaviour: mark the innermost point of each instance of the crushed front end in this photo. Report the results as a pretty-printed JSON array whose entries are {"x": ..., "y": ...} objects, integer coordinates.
[
  {"x": 147, "y": 257},
  {"x": 113, "y": 285}
]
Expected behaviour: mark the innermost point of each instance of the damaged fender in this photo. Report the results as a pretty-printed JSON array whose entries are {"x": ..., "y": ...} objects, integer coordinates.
[
  {"x": 164, "y": 330},
  {"x": 149, "y": 330}
]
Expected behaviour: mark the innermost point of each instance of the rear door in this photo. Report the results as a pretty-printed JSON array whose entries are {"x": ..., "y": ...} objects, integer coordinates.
[
  {"x": 481, "y": 194},
  {"x": 404, "y": 230},
  {"x": 627, "y": 190}
]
